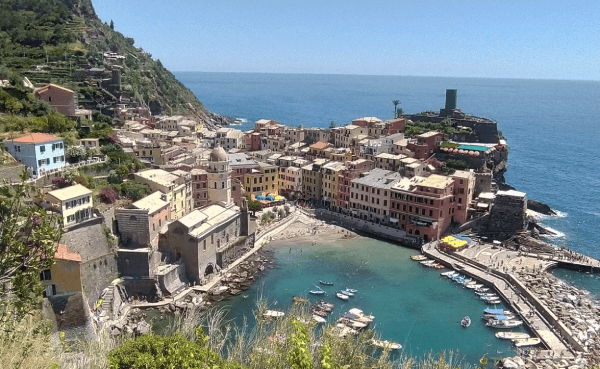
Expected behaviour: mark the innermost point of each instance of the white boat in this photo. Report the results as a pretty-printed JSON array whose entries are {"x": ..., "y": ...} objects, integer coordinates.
[
  {"x": 354, "y": 324},
  {"x": 347, "y": 293},
  {"x": 427, "y": 262},
  {"x": 504, "y": 324},
  {"x": 362, "y": 316},
  {"x": 316, "y": 292},
  {"x": 483, "y": 289},
  {"x": 493, "y": 302},
  {"x": 525, "y": 342},
  {"x": 512, "y": 335},
  {"x": 446, "y": 274},
  {"x": 341, "y": 296},
  {"x": 273, "y": 314},
  {"x": 386, "y": 344},
  {"x": 319, "y": 319},
  {"x": 478, "y": 286},
  {"x": 470, "y": 285},
  {"x": 452, "y": 275},
  {"x": 351, "y": 290},
  {"x": 465, "y": 322},
  {"x": 466, "y": 281}
]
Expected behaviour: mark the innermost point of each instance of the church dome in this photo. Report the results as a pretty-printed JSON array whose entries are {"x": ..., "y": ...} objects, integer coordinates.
[{"x": 218, "y": 154}]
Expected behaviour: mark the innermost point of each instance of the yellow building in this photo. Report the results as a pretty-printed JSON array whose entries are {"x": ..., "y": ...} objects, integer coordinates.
[
  {"x": 262, "y": 181},
  {"x": 330, "y": 182},
  {"x": 65, "y": 275},
  {"x": 74, "y": 203},
  {"x": 177, "y": 188}
]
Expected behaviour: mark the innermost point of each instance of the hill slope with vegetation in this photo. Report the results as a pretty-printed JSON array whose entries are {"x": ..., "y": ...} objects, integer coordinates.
[{"x": 64, "y": 42}]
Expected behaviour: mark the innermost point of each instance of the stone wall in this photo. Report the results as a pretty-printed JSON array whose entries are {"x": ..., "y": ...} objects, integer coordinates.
[
  {"x": 483, "y": 183},
  {"x": 97, "y": 274},
  {"x": 235, "y": 251},
  {"x": 172, "y": 279},
  {"x": 143, "y": 286},
  {"x": 378, "y": 230},
  {"x": 507, "y": 216},
  {"x": 132, "y": 226}
]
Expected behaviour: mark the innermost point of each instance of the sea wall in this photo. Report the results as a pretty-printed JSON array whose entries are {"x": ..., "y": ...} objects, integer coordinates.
[{"x": 377, "y": 230}]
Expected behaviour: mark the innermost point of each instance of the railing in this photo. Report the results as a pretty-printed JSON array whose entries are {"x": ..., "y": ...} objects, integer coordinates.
[{"x": 80, "y": 164}]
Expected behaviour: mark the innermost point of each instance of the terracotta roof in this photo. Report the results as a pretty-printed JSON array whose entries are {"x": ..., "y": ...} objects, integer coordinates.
[
  {"x": 36, "y": 138},
  {"x": 63, "y": 254},
  {"x": 319, "y": 145}
]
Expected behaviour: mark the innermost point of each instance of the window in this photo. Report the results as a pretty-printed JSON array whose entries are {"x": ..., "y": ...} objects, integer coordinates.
[
  {"x": 43, "y": 148},
  {"x": 205, "y": 245},
  {"x": 18, "y": 148},
  {"x": 45, "y": 275}
]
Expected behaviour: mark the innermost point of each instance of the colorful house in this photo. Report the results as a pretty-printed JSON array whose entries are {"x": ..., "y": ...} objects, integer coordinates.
[{"x": 39, "y": 152}]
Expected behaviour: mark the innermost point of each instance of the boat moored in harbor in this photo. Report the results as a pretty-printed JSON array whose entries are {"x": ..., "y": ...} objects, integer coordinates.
[
  {"x": 386, "y": 345},
  {"x": 526, "y": 342},
  {"x": 512, "y": 335},
  {"x": 465, "y": 322}
]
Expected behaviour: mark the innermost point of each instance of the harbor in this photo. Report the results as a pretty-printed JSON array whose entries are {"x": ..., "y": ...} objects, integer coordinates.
[{"x": 517, "y": 277}]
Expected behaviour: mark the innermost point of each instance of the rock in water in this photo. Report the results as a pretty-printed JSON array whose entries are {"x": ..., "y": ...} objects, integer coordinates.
[{"x": 539, "y": 207}]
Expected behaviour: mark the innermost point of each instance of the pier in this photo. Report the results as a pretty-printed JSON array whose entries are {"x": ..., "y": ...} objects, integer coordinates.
[{"x": 509, "y": 273}]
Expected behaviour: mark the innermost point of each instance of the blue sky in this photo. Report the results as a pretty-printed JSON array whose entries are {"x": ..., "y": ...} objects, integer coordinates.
[{"x": 479, "y": 38}]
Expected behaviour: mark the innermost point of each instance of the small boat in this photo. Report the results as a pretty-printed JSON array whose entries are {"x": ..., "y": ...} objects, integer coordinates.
[
  {"x": 465, "y": 281},
  {"x": 389, "y": 345},
  {"x": 419, "y": 257},
  {"x": 482, "y": 289},
  {"x": 446, "y": 274},
  {"x": 316, "y": 292},
  {"x": 427, "y": 262},
  {"x": 346, "y": 292},
  {"x": 465, "y": 322},
  {"x": 327, "y": 306},
  {"x": 452, "y": 275},
  {"x": 341, "y": 296},
  {"x": 351, "y": 290},
  {"x": 326, "y": 283},
  {"x": 319, "y": 319},
  {"x": 512, "y": 335},
  {"x": 319, "y": 313},
  {"x": 438, "y": 266},
  {"x": 504, "y": 324},
  {"x": 361, "y": 315},
  {"x": 525, "y": 342},
  {"x": 493, "y": 302},
  {"x": 497, "y": 311},
  {"x": 498, "y": 317},
  {"x": 478, "y": 286},
  {"x": 354, "y": 324},
  {"x": 273, "y": 314}
]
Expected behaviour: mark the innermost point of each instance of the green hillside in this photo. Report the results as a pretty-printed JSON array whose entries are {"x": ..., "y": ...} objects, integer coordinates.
[{"x": 64, "y": 42}]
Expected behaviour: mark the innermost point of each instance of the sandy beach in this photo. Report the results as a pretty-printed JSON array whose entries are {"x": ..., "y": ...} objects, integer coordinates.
[{"x": 307, "y": 231}]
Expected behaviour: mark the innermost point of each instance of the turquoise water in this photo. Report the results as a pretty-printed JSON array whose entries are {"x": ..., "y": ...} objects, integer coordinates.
[
  {"x": 550, "y": 125},
  {"x": 413, "y": 305}
]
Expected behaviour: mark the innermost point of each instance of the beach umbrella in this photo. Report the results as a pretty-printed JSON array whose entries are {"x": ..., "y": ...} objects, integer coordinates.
[
  {"x": 270, "y": 198},
  {"x": 260, "y": 198},
  {"x": 279, "y": 198}
]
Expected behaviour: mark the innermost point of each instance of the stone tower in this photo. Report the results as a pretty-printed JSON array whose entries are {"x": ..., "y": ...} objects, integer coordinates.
[{"x": 219, "y": 177}]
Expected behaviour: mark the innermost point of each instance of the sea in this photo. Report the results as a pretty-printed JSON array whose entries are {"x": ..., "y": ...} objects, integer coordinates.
[{"x": 551, "y": 127}]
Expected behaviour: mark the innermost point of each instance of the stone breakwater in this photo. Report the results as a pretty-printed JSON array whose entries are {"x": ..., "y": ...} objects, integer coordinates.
[{"x": 573, "y": 307}]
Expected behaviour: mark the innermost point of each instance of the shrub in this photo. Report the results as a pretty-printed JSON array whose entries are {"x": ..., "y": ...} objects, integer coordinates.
[
  {"x": 457, "y": 164},
  {"x": 175, "y": 351},
  {"x": 134, "y": 190},
  {"x": 114, "y": 178},
  {"x": 60, "y": 182},
  {"x": 108, "y": 195},
  {"x": 81, "y": 180}
]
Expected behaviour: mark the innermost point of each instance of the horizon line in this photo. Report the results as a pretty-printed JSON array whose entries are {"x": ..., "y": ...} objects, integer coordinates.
[{"x": 392, "y": 75}]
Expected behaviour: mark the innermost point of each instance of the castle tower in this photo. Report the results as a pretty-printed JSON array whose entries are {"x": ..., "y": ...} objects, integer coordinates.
[{"x": 219, "y": 177}]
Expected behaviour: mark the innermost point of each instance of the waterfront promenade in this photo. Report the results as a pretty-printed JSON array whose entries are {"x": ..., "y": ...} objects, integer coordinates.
[{"x": 503, "y": 269}]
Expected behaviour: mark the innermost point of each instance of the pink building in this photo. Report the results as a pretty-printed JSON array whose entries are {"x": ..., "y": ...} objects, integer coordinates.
[
  {"x": 354, "y": 169},
  {"x": 59, "y": 98},
  {"x": 199, "y": 187},
  {"x": 425, "y": 144}
]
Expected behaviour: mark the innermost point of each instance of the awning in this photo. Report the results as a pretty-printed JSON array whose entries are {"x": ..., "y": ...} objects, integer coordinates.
[
  {"x": 354, "y": 212},
  {"x": 393, "y": 220}
]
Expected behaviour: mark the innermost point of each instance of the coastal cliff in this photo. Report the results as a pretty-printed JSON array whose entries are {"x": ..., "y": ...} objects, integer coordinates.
[{"x": 64, "y": 42}]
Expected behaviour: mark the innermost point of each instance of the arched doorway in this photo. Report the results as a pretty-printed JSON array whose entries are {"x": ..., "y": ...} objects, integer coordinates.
[
  {"x": 425, "y": 238},
  {"x": 209, "y": 270}
]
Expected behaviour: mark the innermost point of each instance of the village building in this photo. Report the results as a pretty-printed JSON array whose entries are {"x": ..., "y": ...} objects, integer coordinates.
[
  {"x": 219, "y": 177},
  {"x": 330, "y": 183},
  {"x": 200, "y": 187},
  {"x": 425, "y": 144},
  {"x": 178, "y": 190},
  {"x": 229, "y": 138},
  {"x": 346, "y": 136},
  {"x": 39, "y": 152},
  {"x": 353, "y": 169},
  {"x": 74, "y": 203},
  {"x": 388, "y": 161},
  {"x": 64, "y": 278},
  {"x": 262, "y": 181},
  {"x": 61, "y": 99},
  {"x": 370, "y": 195},
  {"x": 312, "y": 180}
]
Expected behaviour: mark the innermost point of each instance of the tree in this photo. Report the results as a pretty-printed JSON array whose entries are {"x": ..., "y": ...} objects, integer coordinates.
[
  {"x": 396, "y": 102},
  {"x": 332, "y": 124},
  {"x": 254, "y": 206},
  {"x": 112, "y": 24},
  {"x": 77, "y": 153},
  {"x": 134, "y": 190},
  {"x": 28, "y": 240},
  {"x": 108, "y": 195}
]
